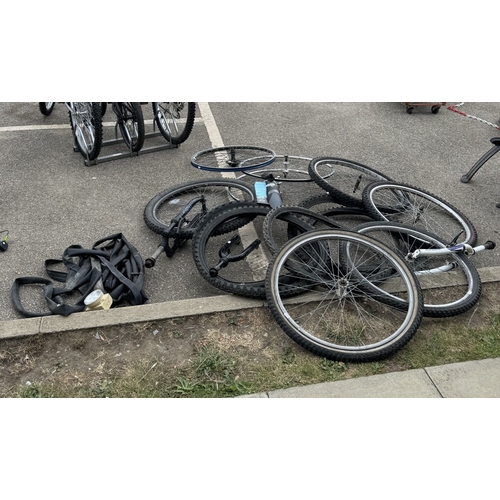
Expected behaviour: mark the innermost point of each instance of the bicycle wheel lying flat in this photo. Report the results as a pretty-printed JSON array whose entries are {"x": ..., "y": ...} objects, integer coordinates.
[
  {"x": 450, "y": 283},
  {"x": 233, "y": 158},
  {"x": 163, "y": 207},
  {"x": 214, "y": 252},
  {"x": 347, "y": 181},
  {"x": 175, "y": 120},
  {"x": 340, "y": 317},
  {"x": 405, "y": 204},
  {"x": 85, "y": 119}
]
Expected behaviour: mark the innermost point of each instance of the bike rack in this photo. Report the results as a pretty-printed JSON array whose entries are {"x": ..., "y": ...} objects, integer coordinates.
[{"x": 125, "y": 154}]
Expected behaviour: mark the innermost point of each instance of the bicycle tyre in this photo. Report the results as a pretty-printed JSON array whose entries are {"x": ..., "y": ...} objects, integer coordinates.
[
  {"x": 445, "y": 294},
  {"x": 341, "y": 320},
  {"x": 86, "y": 124},
  {"x": 171, "y": 122},
  {"x": 247, "y": 276},
  {"x": 285, "y": 168},
  {"x": 348, "y": 180},
  {"x": 233, "y": 158},
  {"x": 164, "y": 206},
  {"x": 46, "y": 107},
  {"x": 131, "y": 124},
  {"x": 419, "y": 208}
]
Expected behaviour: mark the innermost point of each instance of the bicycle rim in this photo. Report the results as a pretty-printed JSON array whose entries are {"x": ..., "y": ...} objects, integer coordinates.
[
  {"x": 450, "y": 283},
  {"x": 233, "y": 158},
  {"x": 405, "y": 204},
  {"x": 339, "y": 317}
]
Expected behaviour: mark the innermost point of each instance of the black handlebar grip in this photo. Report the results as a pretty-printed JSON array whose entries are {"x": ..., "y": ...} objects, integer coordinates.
[{"x": 490, "y": 245}]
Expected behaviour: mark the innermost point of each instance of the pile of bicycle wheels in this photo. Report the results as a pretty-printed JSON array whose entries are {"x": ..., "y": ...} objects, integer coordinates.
[{"x": 347, "y": 272}]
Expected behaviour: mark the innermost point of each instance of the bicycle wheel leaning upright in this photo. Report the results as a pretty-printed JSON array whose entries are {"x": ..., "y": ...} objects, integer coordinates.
[
  {"x": 398, "y": 202},
  {"x": 131, "y": 124},
  {"x": 341, "y": 317},
  {"x": 175, "y": 120},
  {"x": 46, "y": 107},
  {"x": 85, "y": 119}
]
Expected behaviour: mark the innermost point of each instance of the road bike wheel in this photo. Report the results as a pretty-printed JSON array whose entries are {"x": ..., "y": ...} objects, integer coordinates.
[
  {"x": 131, "y": 124},
  {"x": 285, "y": 168},
  {"x": 86, "y": 123},
  {"x": 348, "y": 180},
  {"x": 163, "y": 207},
  {"x": 450, "y": 283},
  {"x": 233, "y": 158},
  {"x": 175, "y": 120},
  {"x": 340, "y": 318},
  {"x": 405, "y": 204},
  {"x": 245, "y": 276},
  {"x": 46, "y": 107}
]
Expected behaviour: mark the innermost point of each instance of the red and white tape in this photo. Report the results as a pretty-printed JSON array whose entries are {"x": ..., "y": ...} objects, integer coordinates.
[{"x": 456, "y": 110}]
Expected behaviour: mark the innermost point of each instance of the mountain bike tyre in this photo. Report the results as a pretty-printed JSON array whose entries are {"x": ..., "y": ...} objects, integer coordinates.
[
  {"x": 177, "y": 131},
  {"x": 160, "y": 210},
  {"x": 205, "y": 245},
  {"x": 323, "y": 324}
]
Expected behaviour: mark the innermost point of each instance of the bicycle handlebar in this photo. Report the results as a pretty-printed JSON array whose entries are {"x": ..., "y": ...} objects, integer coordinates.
[{"x": 465, "y": 248}]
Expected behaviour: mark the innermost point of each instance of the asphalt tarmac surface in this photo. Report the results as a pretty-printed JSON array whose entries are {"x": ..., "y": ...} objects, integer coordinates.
[{"x": 49, "y": 198}]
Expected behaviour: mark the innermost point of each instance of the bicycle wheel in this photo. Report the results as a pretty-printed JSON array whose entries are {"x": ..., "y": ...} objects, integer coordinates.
[
  {"x": 346, "y": 217},
  {"x": 348, "y": 180},
  {"x": 86, "y": 123},
  {"x": 233, "y": 158},
  {"x": 217, "y": 255},
  {"x": 175, "y": 120},
  {"x": 46, "y": 107},
  {"x": 340, "y": 318},
  {"x": 285, "y": 168},
  {"x": 405, "y": 204},
  {"x": 131, "y": 124},
  {"x": 163, "y": 207},
  {"x": 450, "y": 283}
]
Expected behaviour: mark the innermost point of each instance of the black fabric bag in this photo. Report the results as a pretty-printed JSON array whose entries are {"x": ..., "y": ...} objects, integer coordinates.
[{"x": 112, "y": 265}]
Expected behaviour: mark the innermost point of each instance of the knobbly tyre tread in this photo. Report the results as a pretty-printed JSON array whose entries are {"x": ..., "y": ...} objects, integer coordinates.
[
  {"x": 333, "y": 352},
  {"x": 188, "y": 128},
  {"x": 334, "y": 185},
  {"x": 384, "y": 215},
  {"x": 196, "y": 187},
  {"x": 138, "y": 118},
  {"x": 444, "y": 310},
  {"x": 97, "y": 123},
  {"x": 210, "y": 226}
]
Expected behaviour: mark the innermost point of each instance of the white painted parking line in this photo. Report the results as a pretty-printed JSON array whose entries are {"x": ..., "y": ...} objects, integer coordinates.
[{"x": 28, "y": 128}]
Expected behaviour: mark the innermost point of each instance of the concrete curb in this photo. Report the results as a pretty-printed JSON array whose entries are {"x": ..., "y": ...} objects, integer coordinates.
[{"x": 149, "y": 312}]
